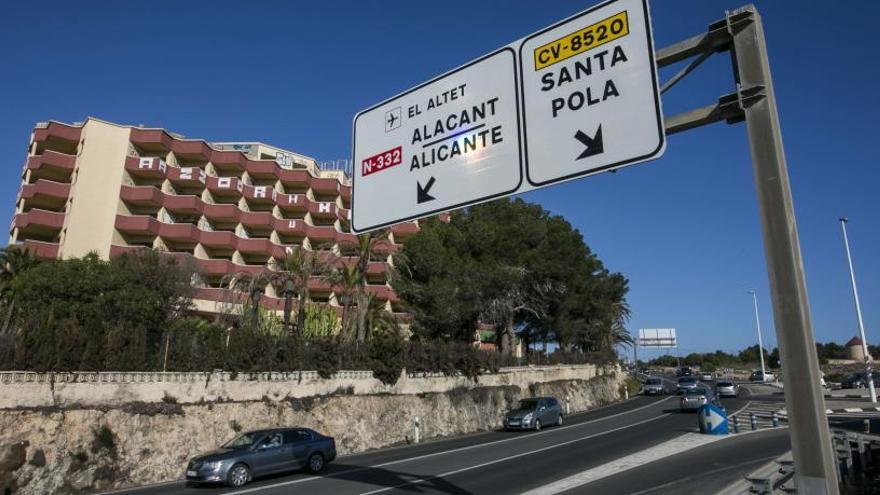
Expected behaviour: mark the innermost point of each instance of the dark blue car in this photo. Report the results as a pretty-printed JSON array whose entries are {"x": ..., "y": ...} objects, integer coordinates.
[{"x": 260, "y": 453}]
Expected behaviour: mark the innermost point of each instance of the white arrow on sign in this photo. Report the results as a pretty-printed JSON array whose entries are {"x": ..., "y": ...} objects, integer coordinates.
[{"x": 714, "y": 419}]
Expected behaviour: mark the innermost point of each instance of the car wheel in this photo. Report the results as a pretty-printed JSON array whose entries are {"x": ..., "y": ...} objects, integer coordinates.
[
  {"x": 537, "y": 425},
  {"x": 238, "y": 476},
  {"x": 316, "y": 462},
  {"x": 559, "y": 421}
]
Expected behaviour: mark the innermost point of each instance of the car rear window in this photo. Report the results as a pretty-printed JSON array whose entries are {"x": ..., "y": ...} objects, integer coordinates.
[
  {"x": 686, "y": 379},
  {"x": 652, "y": 381},
  {"x": 724, "y": 384}
]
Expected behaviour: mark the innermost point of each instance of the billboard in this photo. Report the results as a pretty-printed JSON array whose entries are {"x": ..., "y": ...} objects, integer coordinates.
[{"x": 657, "y": 337}]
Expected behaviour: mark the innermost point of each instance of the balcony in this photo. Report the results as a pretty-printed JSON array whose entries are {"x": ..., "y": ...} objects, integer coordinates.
[
  {"x": 41, "y": 225},
  {"x": 40, "y": 249},
  {"x": 228, "y": 161},
  {"x": 325, "y": 210},
  {"x": 219, "y": 239},
  {"x": 194, "y": 150},
  {"x": 146, "y": 167},
  {"x": 259, "y": 195},
  {"x": 45, "y": 195},
  {"x": 221, "y": 213},
  {"x": 403, "y": 231},
  {"x": 141, "y": 195},
  {"x": 257, "y": 219},
  {"x": 325, "y": 188},
  {"x": 187, "y": 177},
  {"x": 225, "y": 187},
  {"x": 51, "y": 165},
  {"x": 57, "y": 137},
  {"x": 154, "y": 140}
]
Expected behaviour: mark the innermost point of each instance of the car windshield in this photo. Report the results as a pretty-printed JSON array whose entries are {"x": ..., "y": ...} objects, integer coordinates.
[
  {"x": 686, "y": 379},
  {"x": 528, "y": 404},
  {"x": 692, "y": 392},
  {"x": 243, "y": 440},
  {"x": 652, "y": 381}
]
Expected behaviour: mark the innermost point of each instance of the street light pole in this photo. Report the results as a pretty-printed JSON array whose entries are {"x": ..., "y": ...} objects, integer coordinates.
[
  {"x": 852, "y": 276},
  {"x": 760, "y": 340}
]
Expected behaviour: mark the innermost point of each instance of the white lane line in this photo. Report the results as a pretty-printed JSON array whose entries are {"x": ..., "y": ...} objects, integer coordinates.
[
  {"x": 515, "y": 456},
  {"x": 672, "y": 447},
  {"x": 677, "y": 445},
  {"x": 444, "y": 452}
]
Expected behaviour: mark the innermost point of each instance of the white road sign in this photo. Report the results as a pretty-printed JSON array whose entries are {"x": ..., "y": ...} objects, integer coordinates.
[
  {"x": 448, "y": 143},
  {"x": 574, "y": 99},
  {"x": 590, "y": 96}
]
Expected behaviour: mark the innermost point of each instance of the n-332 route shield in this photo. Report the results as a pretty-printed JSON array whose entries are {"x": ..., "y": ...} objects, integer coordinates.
[{"x": 447, "y": 143}]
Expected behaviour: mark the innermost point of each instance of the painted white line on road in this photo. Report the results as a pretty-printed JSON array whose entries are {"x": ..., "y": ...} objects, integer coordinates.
[
  {"x": 672, "y": 447},
  {"x": 677, "y": 445},
  {"x": 454, "y": 451},
  {"x": 515, "y": 456}
]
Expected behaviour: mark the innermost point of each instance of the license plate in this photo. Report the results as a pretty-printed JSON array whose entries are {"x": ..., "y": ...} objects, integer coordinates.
[
  {"x": 513, "y": 423},
  {"x": 191, "y": 473}
]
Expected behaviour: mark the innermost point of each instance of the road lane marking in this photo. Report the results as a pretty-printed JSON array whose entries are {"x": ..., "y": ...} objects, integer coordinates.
[
  {"x": 703, "y": 475},
  {"x": 510, "y": 457},
  {"x": 677, "y": 445},
  {"x": 443, "y": 452}
]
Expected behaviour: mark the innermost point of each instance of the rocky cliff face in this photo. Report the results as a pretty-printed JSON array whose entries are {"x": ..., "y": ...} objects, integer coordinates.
[{"x": 80, "y": 450}]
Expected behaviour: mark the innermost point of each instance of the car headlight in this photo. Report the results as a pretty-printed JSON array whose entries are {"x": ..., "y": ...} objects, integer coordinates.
[
  {"x": 527, "y": 418},
  {"x": 212, "y": 466}
]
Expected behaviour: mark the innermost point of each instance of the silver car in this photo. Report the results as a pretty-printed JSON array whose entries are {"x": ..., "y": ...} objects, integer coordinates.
[
  {"x": 654, "y": 386},
  {"x": 726, "y": 388},
  {"x": 687, "y": 383},
  {"x": 692, "y": 399},
  {"x": 260, "y": 453},
  {"x": 533, "y": 414}
]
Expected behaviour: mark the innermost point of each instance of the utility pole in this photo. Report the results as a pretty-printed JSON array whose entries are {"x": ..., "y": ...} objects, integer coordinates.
[
  {"x": 852, "y": 276},
  {"x": 760, "y": 340}
]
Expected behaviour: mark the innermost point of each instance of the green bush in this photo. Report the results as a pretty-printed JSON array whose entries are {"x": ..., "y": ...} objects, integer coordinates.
[{"x": 386, "y": 356}]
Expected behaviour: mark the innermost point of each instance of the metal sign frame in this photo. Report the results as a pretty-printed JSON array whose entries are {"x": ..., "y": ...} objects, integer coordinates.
[{"x": 741, "y": 33}]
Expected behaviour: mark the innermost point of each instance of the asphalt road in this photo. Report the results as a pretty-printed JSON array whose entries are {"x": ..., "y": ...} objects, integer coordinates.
[{"x": 493, "y": 462}]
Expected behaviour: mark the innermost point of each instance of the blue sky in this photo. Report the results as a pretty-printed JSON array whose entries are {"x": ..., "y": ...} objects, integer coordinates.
[{"x": 684, "y": 229}]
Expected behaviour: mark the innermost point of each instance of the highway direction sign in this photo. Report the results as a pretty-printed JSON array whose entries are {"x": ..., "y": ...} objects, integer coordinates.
[
  {"x": 450, "y": 142},
  {"x": 590, "y": 96},
  {"x": 574, "y": 99}
]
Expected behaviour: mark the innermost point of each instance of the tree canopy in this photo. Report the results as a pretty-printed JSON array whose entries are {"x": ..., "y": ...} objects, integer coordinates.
[{"x": 517, "y": 267}]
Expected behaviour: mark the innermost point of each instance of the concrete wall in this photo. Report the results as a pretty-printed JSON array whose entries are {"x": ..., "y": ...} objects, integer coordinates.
[
  {"x": 77, "y": 390},
  {"x": 55, "y": 449}
]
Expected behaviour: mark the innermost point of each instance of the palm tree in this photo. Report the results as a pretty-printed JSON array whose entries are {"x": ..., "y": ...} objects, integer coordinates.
[
  {"x": 292, "y": 274},
  {"x": 14, "y": 261},
  {"x": 378, "y": 318},
  {"x": 366, "y": 247},
  {"x": 252, "y": 285},
  {"x": 347, "y": 279}
]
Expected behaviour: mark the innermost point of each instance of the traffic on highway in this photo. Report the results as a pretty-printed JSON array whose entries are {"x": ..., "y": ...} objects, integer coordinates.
[{"x": 524, "y": 452}]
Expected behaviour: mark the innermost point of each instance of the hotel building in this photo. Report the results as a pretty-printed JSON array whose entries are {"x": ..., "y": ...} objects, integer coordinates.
[{"x": 228, "y": 207}]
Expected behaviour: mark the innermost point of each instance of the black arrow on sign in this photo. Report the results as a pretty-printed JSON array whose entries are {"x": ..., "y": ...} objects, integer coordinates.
[
  {"x": 593, "y": 144},
  {"x": 422, "y": 192}
]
